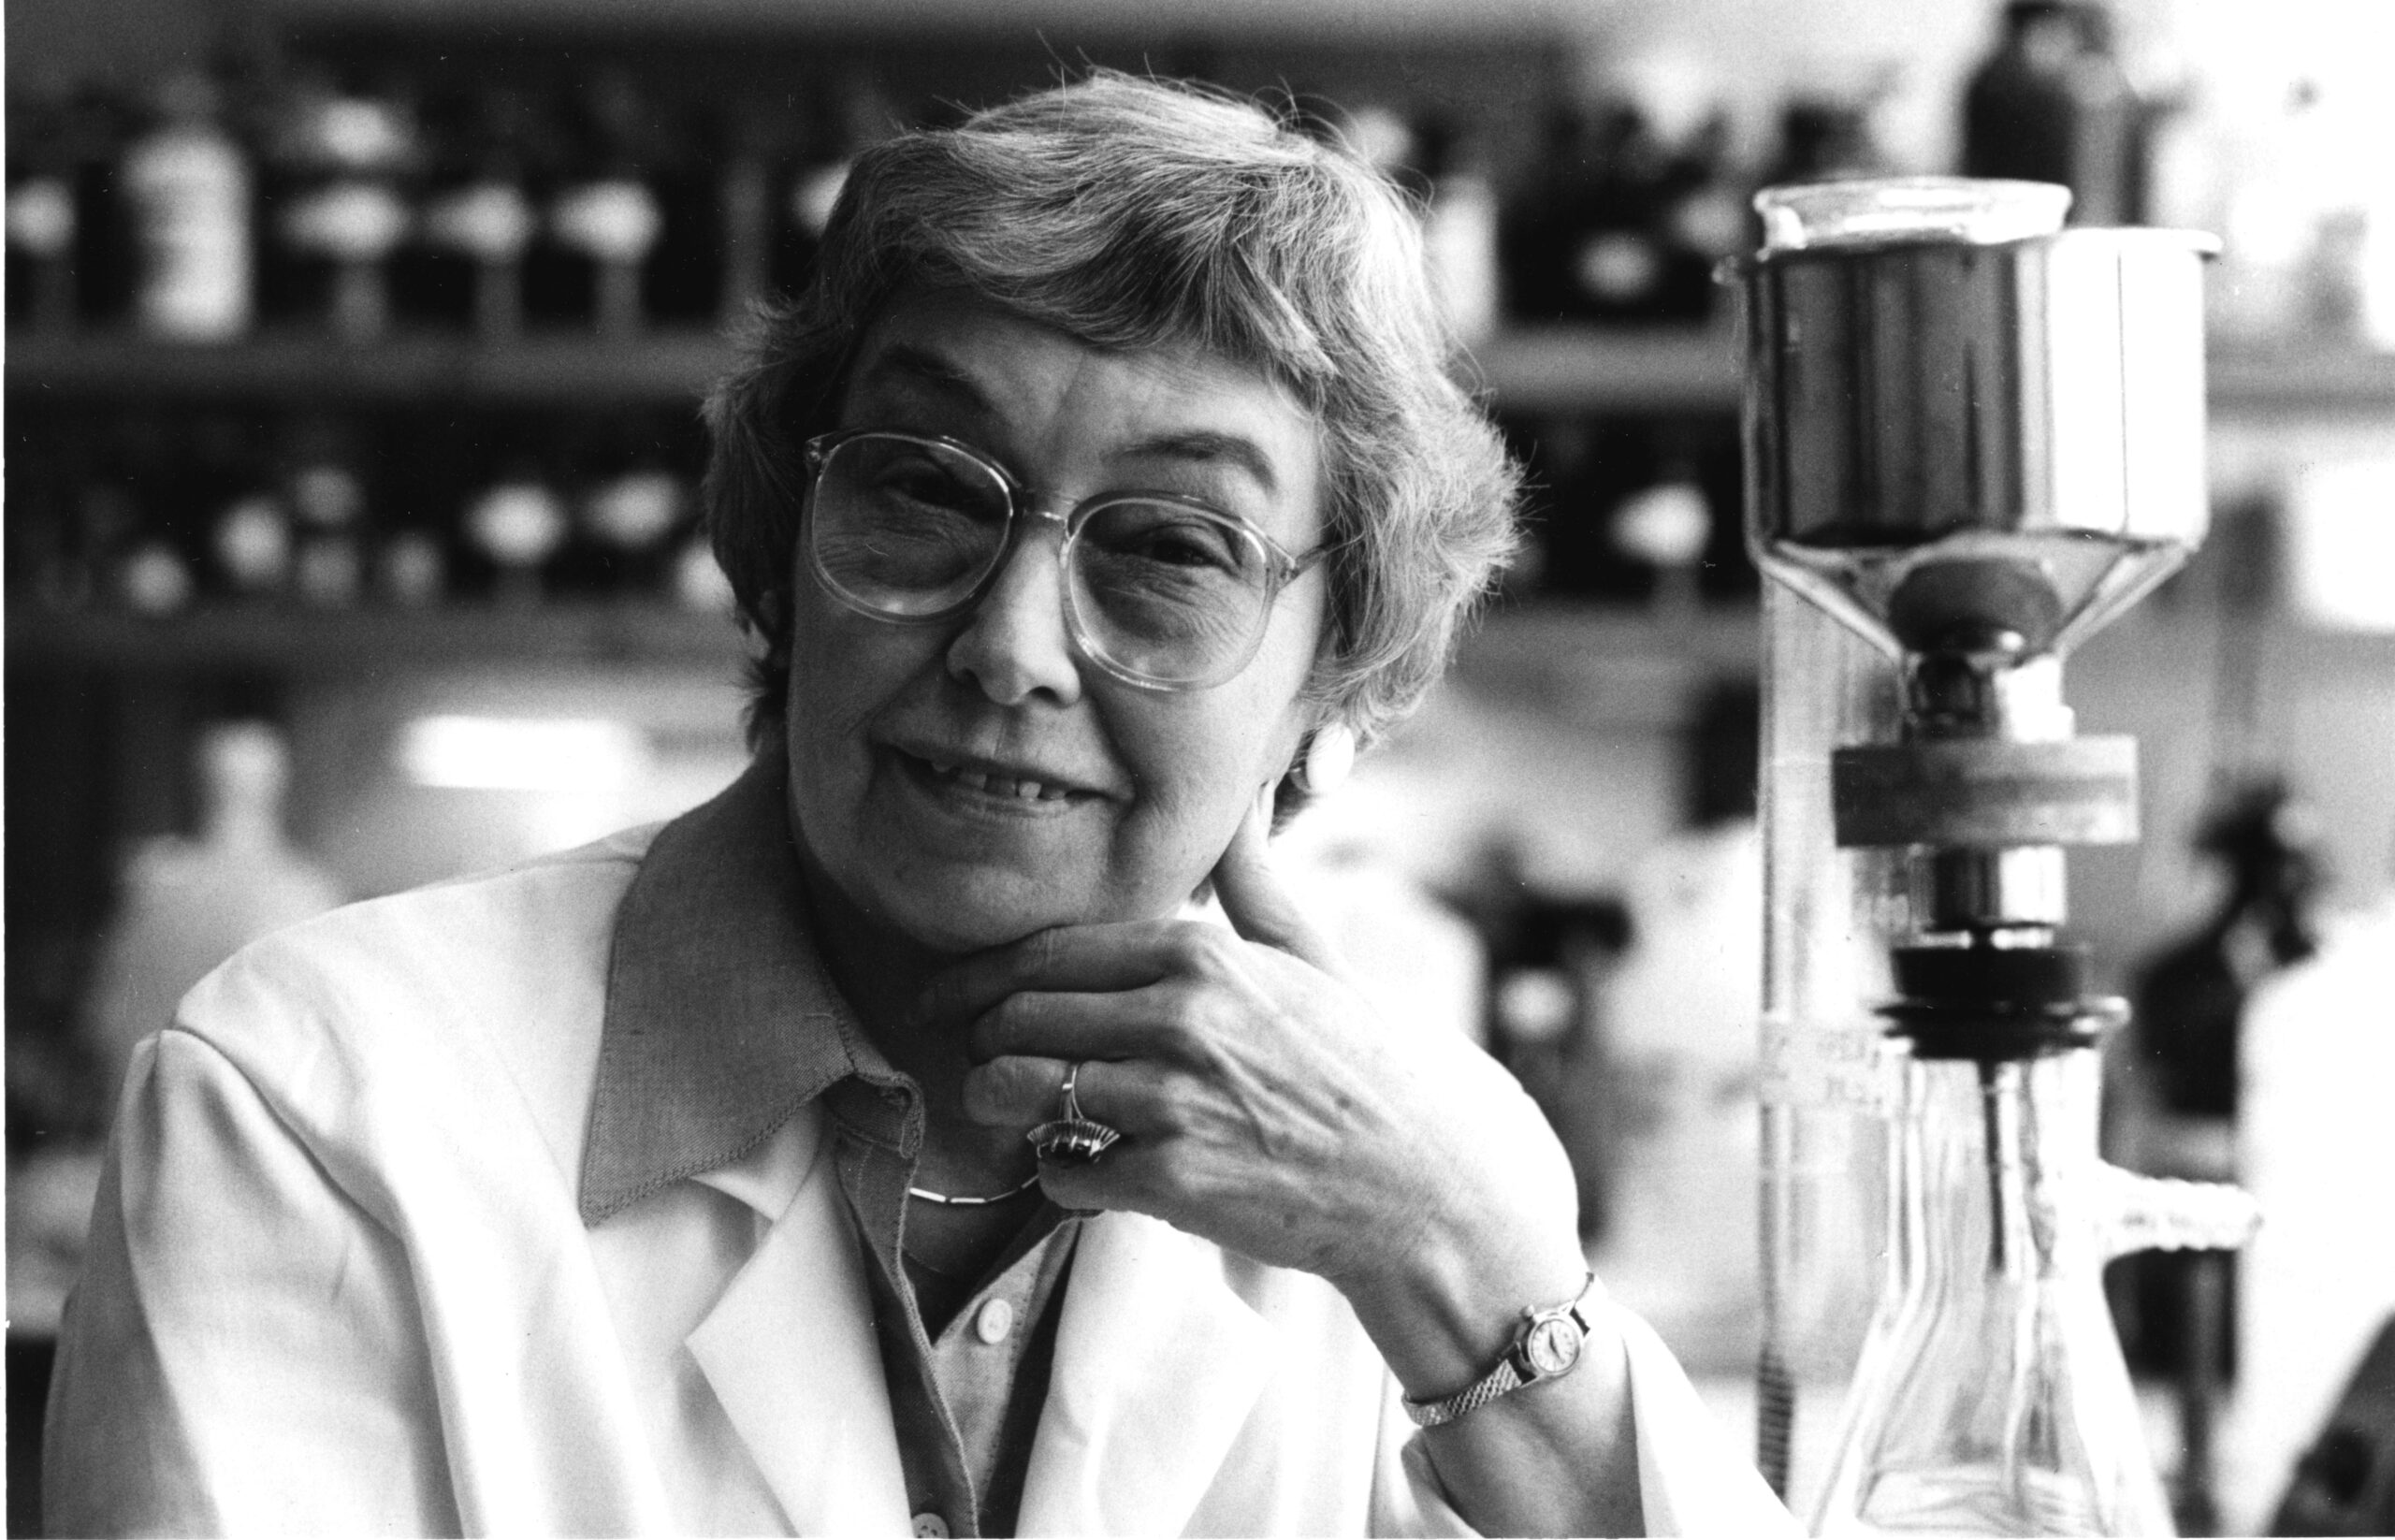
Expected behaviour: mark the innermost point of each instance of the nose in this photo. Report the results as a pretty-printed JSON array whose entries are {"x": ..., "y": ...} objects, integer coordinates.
[{"x": 1014, "y": 645}]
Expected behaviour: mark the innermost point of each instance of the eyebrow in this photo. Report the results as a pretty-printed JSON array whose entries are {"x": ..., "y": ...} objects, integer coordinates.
[
  {"x": 913, "y": 365},
  {"x": 922, "y": 367},
  {"x": 1208, "y": 446}
]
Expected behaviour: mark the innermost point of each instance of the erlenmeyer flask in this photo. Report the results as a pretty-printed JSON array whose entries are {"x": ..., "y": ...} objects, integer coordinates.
[{"x": 1992, "y": 1397}]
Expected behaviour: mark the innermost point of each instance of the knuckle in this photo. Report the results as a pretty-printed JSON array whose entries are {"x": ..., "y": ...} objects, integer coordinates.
[
  {"x": 1043, "y": 950},
  {"x": 1194, "y": 947},
  {"x": 1171, "y": 1114},
  {"x": 984, "y": 1092},
  {"x": 1182, "y": 1022}
]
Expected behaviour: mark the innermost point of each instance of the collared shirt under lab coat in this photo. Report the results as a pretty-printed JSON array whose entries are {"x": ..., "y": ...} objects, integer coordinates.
[{"x": 343, "y": 1277}]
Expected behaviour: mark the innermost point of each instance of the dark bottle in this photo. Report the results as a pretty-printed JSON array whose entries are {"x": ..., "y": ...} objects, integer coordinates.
[
  {"x": 1449, "y": 171},
  {"x": 1617, "y": 261},
  {"x": 93, "y": 132},
  {"x": 136, "y": 517},
  {"x": 250, "y": 546},
  {"x": 2052, "y": 104},
  {"x": 1581, "y": 468},
  {"x": 1825, "y": 139},
  {"x": 243, "y": 518},
  {"x": 849, "y": 116},
  {"x": 602, "y": 219},
  {"x": 471, "y": 217},
  {"x": 628, "y": 521},
  {"x": 682, "y": 279},
  {"x": 1821, "y": 138},
  {"x": 41, "y": 216},
  {"x": 515, "y": 526},
  {"x": 49, "y": 455},
  {"x": 1666, "y": 527},
  {"x": 1533, "y": 260},
  {"x": 344, "y": 154},
  {"x": 325, "y": 486},
  {"x": 750, "y": 133},
  {"x": 1703, "y": 217}
]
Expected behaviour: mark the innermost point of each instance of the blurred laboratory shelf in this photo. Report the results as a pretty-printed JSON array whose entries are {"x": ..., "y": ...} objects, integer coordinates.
[
  {"x": 560, "y": 370},
  {"x": 290, "y": 641},
  {"x": 1556, "y": 368},
  {"x": 1592, "y": 369},
  {"x": 1589, "y": 664},
  {"x": 1584, "y": 660},
  {"x": 1319, "y": 21}
]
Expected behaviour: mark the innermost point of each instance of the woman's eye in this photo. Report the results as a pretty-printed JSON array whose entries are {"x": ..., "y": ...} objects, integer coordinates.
[
  {"x": 931, "y": 487},
  {"x": 1174, "y": 540}
]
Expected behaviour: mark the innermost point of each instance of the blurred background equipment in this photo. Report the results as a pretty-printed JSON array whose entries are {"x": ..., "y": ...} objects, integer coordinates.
[
  {"x": 1675, "y": 1074},
  {"x": 354, "y": 352},
  {"x": 2177, "y": 1110},
  {"x": 186, "y": 904}
]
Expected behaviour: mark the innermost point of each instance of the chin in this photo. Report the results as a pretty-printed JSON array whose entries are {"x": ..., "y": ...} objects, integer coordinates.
[
  {"x": 972, "y": 914},
  {"x": 972, "y": 911}
]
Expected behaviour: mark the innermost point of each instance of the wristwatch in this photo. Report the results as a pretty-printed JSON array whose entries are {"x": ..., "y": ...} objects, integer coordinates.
[{"x": 1547, "y": 1345}]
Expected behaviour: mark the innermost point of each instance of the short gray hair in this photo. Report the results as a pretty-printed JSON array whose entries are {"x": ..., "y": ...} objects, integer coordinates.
[{"x": 1131, "y": 213}]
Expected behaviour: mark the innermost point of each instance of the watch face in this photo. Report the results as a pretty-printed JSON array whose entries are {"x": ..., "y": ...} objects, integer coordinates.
[{"x": 1553, "y": 1344}]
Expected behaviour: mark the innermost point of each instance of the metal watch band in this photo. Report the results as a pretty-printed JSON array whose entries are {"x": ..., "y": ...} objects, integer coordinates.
[{"x": 1513, "y": 1371}]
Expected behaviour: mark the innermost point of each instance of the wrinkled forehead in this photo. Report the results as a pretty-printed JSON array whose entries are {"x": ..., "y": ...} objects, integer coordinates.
[{"x": 1045, "y": 402}]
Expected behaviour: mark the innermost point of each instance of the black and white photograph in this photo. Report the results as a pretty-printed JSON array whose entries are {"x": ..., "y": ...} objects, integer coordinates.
[{"x": 643, "y": 896}]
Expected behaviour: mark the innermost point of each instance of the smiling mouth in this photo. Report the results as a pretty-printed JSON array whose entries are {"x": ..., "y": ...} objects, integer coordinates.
[{"x": 991, "y": 783}]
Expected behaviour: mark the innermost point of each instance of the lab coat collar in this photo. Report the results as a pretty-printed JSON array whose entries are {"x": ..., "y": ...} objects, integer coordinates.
[
  {"x": 1158, "y": 1361},
  {"x": 720, "y": 1020},
  {"x": 723, "y": 1031}
]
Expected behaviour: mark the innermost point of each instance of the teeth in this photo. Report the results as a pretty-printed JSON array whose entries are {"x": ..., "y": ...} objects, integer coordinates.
[{"x": 996, "y": 786}]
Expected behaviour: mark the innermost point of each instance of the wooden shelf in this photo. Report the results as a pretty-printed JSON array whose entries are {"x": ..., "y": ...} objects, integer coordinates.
[
  {"x": 1552, "y": 369},
  {"x": 290, "y": 641},
  {"x": 1608, "y": 665},
  {"x": 561, "y": 370},
  {"x": 1592, "y": 369},
  {"x": 2344, "y": 382}
]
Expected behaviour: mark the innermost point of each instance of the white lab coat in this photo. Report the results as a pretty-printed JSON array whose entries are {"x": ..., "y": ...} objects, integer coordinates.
[{"x": 338, "y": 1283}]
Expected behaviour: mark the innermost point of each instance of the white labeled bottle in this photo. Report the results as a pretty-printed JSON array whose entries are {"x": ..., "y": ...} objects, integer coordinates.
[{"x": 188, "y": 184}]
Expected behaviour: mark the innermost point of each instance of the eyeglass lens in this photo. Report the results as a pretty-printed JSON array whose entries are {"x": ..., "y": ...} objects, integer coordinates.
[{"x": 1162, "y": 592}]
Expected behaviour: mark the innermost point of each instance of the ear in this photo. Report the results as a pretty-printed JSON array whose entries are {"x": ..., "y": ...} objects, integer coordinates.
[{"x": 1331, "y": 755}]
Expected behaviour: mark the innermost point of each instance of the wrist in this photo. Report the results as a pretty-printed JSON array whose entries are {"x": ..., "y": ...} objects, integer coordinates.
[
  {"x": 1548, "y": 1343},
  {"x": 1450, "y": 1305}
]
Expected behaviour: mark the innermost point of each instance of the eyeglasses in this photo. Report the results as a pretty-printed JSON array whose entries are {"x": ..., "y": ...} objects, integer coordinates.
[{"x": 1160, "y": 591}]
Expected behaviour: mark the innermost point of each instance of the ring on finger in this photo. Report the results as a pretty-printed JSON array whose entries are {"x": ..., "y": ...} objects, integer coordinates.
[{"x": 1072, "y": 1138}]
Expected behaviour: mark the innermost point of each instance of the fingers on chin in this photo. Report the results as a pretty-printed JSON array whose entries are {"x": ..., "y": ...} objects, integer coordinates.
[{"x": 1014, "y": 1088}]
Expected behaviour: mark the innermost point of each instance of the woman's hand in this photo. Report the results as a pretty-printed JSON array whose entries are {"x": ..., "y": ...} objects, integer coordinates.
[{"x": 1265, "y": 1107}]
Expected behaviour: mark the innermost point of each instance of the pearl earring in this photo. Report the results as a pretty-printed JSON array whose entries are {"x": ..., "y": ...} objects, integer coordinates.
[{"x": 1328, "y": 759}]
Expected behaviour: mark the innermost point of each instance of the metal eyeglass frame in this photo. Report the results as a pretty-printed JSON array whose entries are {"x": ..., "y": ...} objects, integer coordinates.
[{"x": 1281, "y": 568}]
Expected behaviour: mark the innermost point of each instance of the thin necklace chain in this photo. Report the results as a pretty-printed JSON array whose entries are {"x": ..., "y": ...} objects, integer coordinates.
[{"x": 949, "y": 1200}]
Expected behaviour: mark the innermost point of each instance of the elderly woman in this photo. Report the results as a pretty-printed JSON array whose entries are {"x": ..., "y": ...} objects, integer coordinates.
[{"x": 953, "y": 1124}]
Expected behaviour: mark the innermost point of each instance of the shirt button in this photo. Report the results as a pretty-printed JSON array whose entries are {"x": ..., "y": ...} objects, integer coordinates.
[
  {"x": 931, "y": 1526},
  {"x": 995, "y": 1319}
]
